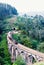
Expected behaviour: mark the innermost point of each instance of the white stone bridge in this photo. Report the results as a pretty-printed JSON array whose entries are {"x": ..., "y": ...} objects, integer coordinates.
[{"x": 17, "y": 49}]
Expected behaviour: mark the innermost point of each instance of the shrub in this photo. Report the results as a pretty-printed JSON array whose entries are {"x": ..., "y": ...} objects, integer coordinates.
[{"x": 19, "y": 61}]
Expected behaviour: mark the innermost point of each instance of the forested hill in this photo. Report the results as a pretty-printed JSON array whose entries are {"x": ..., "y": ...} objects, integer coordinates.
[{"x": 7, "y": 10}]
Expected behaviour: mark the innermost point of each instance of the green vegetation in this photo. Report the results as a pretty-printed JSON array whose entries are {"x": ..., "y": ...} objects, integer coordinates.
[
  {"x": 41, "y": 47},
  {"x": 39, "y": 63},
  {"x": 19, "y": 61},
  {"x": 4, "y": 54},
  {"x": 32, "y": 31},
  {"x": 5, "y": 26}
]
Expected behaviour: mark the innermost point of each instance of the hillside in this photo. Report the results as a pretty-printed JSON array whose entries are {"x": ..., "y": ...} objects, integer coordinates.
[{"x": 7, "y": 10}]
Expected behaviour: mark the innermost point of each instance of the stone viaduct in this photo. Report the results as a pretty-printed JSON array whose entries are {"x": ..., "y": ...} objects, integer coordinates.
[{"x": 16, "y": 49}]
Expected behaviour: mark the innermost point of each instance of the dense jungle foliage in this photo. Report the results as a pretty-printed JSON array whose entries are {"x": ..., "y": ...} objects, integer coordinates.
[{"x": 32, "y": 31}]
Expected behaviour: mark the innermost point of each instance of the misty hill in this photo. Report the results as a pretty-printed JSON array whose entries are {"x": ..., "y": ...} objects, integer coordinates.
[{"x": 7, "y": 10}]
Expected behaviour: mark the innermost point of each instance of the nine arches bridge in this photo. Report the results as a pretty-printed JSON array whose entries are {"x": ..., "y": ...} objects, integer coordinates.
[{"x": 17, "y": 49}]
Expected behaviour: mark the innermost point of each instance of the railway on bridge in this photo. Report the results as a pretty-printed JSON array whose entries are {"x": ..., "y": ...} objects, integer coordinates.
[{"x": 17, "y": 49}]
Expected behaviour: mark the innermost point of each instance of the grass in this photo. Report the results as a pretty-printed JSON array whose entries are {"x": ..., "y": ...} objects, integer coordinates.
[{"x": 39, "y": 63}]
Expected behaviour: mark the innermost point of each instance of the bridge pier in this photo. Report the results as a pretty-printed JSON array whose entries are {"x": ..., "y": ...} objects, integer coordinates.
[
  {"x": 14, "y": 54},
  {"x": 29, "y": 59}
]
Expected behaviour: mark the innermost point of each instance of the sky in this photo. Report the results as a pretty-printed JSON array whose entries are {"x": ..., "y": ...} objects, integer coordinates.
[{"x": 24, "y": 6}]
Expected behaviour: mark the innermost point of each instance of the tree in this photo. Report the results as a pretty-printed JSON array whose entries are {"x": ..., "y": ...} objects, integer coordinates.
[
  {"x": 2, "y": 26},
  {"x": 34, "y": 44},
  {"x": 41, "y": 47},
  {"x": 26, "y": 41}
]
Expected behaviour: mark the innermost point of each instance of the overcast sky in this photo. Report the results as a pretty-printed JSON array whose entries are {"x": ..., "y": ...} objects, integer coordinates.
[{"x": 25, "y": 6}]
